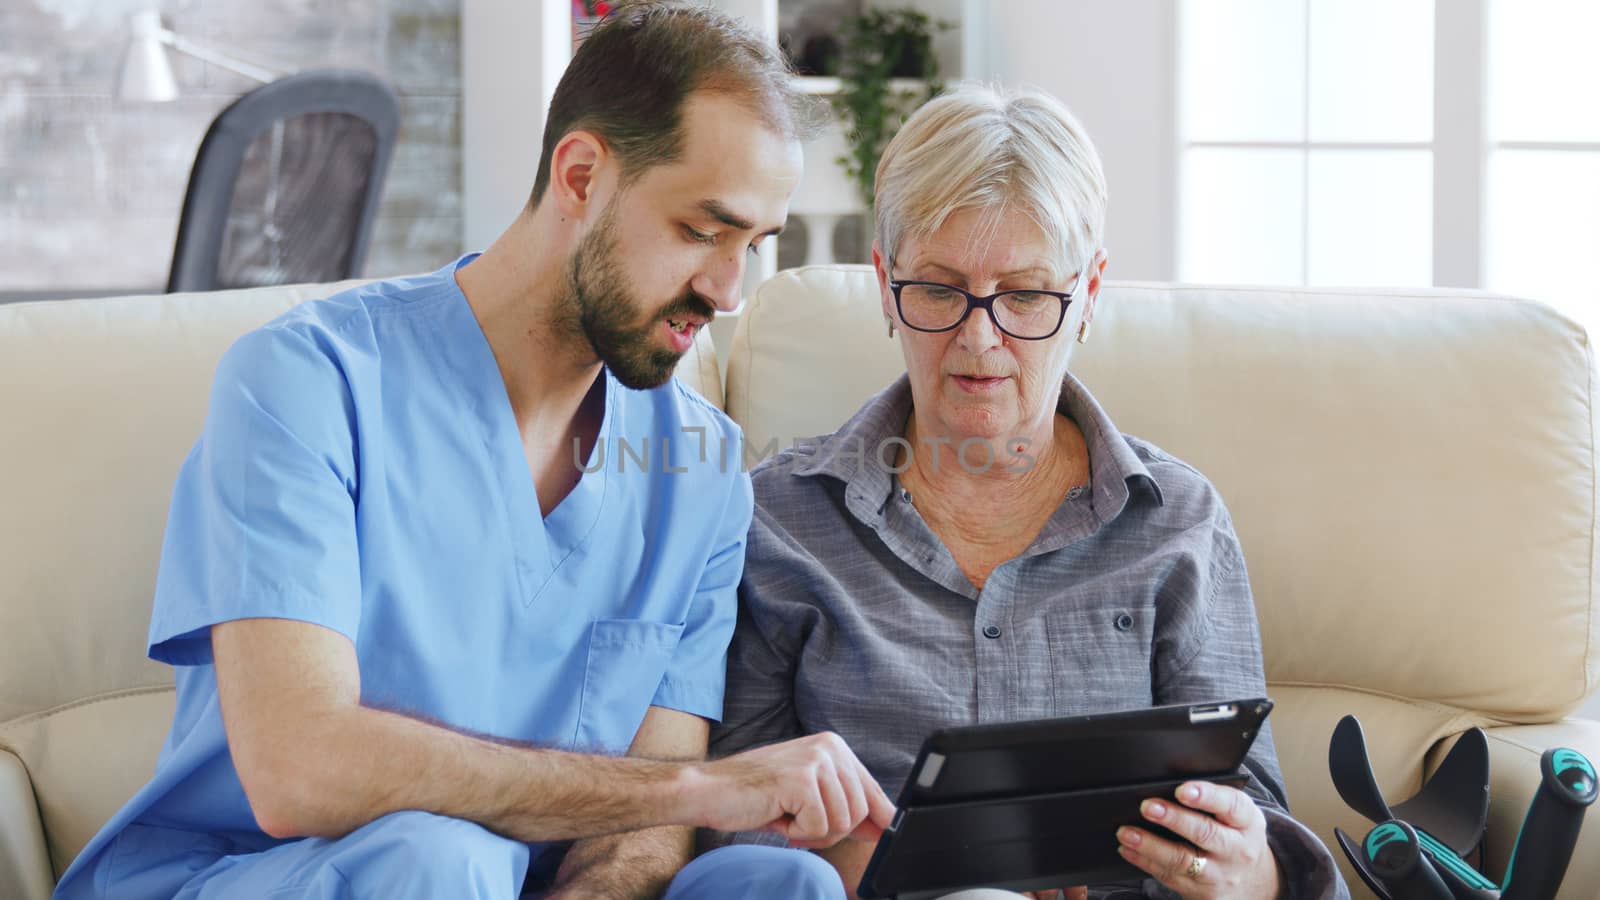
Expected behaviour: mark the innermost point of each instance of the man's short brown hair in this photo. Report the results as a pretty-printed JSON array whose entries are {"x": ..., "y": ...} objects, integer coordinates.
[{"x": 628, "y": 82}]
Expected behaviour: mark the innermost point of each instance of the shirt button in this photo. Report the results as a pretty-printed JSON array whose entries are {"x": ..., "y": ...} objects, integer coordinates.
[
  {"x": 905, "y": 495},
  {"x": 991, "y": 631},
  {"x": 1124, "y": 622}
]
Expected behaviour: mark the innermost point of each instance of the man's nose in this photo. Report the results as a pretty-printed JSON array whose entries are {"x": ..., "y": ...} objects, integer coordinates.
[{"x": 722, "y": 282}]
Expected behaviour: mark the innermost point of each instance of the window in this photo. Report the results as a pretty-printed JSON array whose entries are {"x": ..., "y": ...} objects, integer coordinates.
[
  {"x": 1542, "y": 223},
  {"x": 1307, "y": 141},
  {"x": 1391, "y": 142}
]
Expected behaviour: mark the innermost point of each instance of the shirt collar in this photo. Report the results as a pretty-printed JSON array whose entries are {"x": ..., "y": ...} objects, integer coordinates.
[{"x": 862, "y": 451}]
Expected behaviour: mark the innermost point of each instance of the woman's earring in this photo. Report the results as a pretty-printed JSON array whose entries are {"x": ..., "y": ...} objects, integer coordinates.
[
  {"x": 889, "y": 321},
  {"x": 1083, "y": 333}
]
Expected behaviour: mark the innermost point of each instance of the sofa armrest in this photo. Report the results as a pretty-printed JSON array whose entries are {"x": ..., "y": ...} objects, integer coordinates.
[
  {"x": 24, "y": 862},
  {"x": 1514, "y": 752}
]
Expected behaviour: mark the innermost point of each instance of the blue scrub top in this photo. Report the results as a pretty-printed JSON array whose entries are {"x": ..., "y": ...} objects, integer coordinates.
[{"x": 361, "y": 469}]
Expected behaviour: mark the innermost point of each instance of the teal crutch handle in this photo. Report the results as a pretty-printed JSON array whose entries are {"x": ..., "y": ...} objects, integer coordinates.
[
  {"x": 1395, "y": 857},
  {"x": 1567, "y": 788}
]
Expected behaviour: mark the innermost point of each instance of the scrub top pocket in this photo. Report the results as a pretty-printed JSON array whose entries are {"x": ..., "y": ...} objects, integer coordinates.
[{"x": 627, "y": 658}]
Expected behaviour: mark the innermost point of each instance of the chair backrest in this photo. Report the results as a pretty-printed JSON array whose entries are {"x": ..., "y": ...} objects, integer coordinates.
[
  {"x": 1412, "y": 475},
  {"x": 286, "y": 184},
  {"x": 102, "y": 400}
]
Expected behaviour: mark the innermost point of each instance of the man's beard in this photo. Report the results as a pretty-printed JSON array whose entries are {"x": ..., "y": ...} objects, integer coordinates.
[{"x": 608, "y": 315}]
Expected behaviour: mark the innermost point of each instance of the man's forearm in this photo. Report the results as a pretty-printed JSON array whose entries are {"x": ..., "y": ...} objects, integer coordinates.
[
  {"x": 350, "y": 767},
  {"x": 638, "y": 863},
  {"x": 624, "y": 866}
]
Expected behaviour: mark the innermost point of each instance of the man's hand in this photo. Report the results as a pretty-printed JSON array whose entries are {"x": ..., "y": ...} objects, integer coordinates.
[{"x": 811, "y": 790}]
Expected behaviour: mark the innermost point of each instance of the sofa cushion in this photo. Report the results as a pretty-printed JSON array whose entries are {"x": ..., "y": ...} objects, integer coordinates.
[
  {"x": 84, "y": 760},
  {"x": 25, "y": 871}
]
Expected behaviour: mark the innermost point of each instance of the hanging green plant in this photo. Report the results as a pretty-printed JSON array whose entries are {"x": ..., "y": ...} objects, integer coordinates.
[{"x": 879, "y": 45}]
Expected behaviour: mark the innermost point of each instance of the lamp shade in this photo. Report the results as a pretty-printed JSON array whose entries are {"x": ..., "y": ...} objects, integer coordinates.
[{"x": 146, "y": 73}]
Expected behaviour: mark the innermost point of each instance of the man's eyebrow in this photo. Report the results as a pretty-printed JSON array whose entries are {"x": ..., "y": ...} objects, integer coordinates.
[{"x": 726, "y": 216}]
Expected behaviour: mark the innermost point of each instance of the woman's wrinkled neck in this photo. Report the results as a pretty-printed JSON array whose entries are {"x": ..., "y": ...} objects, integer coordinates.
[{"x": 983, "y": 480}]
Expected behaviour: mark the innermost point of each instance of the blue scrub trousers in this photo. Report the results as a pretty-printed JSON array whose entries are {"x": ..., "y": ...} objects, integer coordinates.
[{"x": 420, "y": 855}]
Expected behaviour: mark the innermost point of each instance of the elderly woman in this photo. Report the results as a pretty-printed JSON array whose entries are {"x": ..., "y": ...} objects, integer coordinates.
[{"x": 979, "y": 543}]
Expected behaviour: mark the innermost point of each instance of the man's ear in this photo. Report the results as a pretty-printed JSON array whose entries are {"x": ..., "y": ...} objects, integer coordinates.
[{"x": 573, "y": 170}]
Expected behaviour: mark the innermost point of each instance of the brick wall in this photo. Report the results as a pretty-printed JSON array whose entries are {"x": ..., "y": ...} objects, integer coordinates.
[{"x": 90, "y": 188}]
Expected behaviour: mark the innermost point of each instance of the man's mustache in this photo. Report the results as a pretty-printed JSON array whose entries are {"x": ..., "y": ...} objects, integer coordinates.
[{"x": 689, "y": 304}]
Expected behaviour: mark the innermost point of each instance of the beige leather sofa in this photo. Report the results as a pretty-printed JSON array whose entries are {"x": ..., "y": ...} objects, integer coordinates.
[{"x": 1413, "y": 475}]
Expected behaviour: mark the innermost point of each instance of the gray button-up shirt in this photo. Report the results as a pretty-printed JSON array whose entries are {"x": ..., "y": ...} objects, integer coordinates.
[{"x": 854, "y": 617}]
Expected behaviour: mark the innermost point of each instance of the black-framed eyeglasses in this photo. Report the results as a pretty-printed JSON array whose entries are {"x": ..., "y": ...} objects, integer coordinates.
[{"x": 1027, "y": 315}]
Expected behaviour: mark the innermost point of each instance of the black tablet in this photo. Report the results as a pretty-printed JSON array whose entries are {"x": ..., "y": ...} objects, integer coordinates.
[{"x": 1032, "y": 805}]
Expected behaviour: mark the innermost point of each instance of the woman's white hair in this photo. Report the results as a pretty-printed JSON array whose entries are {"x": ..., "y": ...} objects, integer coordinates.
[{"x": 1003, "y": 152}]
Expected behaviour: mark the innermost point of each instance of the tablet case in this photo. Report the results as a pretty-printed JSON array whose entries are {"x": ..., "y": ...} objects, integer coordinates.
[{"x": 1034, "y": 805}]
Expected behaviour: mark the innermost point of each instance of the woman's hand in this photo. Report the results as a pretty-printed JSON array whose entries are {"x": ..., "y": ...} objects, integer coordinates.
[{"x": 1230, "y": 831}]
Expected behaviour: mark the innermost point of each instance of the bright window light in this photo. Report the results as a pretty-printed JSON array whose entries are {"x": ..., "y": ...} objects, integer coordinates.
[
  {"x": 1370, "y": 215},
  {"x": 1243, "y": 70},
  {"x": 1544, "y": 227},
  {"x": 1544, "y": 70},
  {"x": 1243, "y": 219},
  {"x": 1371, "y": 81}
]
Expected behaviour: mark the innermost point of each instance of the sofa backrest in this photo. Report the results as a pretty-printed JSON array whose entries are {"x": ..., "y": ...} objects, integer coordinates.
[
  {"x": 100, "y": 400},
  {"x": 1412, "y": 475}
]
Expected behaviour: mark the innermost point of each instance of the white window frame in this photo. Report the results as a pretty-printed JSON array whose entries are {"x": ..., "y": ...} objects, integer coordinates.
[
  {"x": 1460, "y": 147},
  {"x": 1460, "y": 139}
]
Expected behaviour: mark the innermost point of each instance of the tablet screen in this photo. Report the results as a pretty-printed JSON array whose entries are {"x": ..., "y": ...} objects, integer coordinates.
[{"x": 1077, "y": 752}]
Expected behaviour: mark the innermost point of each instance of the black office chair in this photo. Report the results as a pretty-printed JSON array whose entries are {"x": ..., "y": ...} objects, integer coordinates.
[{"x": 286, "y": 183}]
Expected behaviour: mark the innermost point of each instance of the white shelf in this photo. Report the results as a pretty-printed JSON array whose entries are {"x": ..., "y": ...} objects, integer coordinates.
[
  {"x": 817, "y": 84},
  {"x": 825, "y": 85}
]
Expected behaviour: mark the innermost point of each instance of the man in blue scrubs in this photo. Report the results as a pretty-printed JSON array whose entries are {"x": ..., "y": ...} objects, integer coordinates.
[{"x": 449, "y": 576}]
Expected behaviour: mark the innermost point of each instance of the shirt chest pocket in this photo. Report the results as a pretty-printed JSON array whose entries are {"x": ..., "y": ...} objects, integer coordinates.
[
  {"x": 627, "y": 659},
  {"x": 1100, "y": 658}
]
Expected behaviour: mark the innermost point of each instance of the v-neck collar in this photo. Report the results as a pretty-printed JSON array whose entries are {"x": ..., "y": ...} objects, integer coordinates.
[{"x": 541, "y": 543}]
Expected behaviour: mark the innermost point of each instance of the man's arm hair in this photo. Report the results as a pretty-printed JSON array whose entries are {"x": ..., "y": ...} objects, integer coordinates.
[
  {"x": 639, "y": 863},
  {"x": 315, "y": 762}
]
